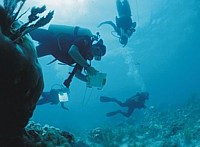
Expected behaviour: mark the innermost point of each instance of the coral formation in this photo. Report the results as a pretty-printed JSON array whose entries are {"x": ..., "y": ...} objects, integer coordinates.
[
  {"x": 37, "y": 135},
  {"x": 21, "y": 75},
  {"x": 168, "y": 127}
]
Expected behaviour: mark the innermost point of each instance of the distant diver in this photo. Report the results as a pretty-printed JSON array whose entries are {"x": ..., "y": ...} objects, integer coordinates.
[
  {"x": 55, "y": 96},
  {"x": 135, "y": 102},
  {"x": 124, "y": 26}
]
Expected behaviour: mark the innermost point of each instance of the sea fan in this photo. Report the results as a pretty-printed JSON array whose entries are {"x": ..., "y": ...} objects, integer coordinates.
[{"x": 10, "y": 7}]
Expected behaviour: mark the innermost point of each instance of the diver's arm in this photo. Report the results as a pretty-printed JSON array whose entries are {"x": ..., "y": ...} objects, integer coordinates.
[
  {"x": 81, "y": 76},
  {"x": 123, "y": 33},
  {"x": 75, "y": 54},
  {"x": 63, "y": 106}
]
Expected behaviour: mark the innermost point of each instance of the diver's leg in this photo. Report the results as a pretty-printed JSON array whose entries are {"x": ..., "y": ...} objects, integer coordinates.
[
  {"x": 129, "y": 112},
  {"x": 119, "y": 103},
  {"x": 119, "y": 8},
  {"x": 43, "y": 101},
  {"x": 123, "y": 8},
  {"x": 44, "y": 49},
  {"x": 108, "y": 99},
  {"x": 45, "y": 98},
  {"x": 42, "y": 36},
  {"x": 112, "y": 113},
  {"x": 127, "y": 9},
  {"x": 126, "y": 114}
]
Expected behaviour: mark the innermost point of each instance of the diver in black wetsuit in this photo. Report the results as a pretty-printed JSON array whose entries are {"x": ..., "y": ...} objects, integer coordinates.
[
  {"x": 52, "y": 97},
  {"x": 136, "y": 101},
  {"x": 70, "y": 45},
  {"x": 124, "y": 26}
]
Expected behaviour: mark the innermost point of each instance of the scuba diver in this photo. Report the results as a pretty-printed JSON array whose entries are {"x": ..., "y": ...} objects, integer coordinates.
[
  {"x": 54, "y": 97},
  {"x": 70, "y": 45},
  {"x": 136, "y": 101},
  {"x": 124, "y": 26}
]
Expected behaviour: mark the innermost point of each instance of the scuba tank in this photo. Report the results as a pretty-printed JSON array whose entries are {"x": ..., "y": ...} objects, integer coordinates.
[{"x": 71, "y": 30}]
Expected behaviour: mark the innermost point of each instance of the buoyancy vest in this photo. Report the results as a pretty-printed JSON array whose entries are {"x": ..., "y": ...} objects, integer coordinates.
[{"x": 66, "y": 34}]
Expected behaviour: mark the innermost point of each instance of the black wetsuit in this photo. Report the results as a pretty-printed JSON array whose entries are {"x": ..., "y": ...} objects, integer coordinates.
[
  {"x": 124, "y": 20},
  {"x": 52, "y": 98},
  {"x": 124, "y": 26},
  {"x": 134, "y": 102},
  {"x": 49, "y": 97}
]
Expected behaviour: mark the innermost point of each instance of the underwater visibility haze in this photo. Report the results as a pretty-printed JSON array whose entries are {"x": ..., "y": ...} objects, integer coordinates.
[{"x": 161, "y": 58}]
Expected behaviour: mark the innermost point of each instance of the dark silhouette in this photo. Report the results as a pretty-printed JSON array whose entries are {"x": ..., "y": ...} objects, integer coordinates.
[
  {"x": 135, "y": 102},
  {"x": 124, "y": 26},
  {"x": 49, "y": 97},
  {"x": 70, "y": 45},
  {"x": 21, "y": 75},
  {"x": 52, "y": 97}
]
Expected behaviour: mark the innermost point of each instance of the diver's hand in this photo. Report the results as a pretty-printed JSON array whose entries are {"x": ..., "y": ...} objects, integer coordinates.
[
  {"x": 65, "y": 89},
  {"x": 63, "y": 106},
  {"x": 91, "y": 70}
]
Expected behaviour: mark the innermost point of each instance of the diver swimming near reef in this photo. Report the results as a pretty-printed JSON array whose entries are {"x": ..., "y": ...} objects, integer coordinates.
[
  {"x": 135, "y": 102},
  {"x": 71, "y": 45},
  {"x": 55, "y": 96}
]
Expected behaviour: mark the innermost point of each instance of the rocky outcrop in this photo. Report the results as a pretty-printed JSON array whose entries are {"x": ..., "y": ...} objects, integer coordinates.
[{"x": 21, "y": 76}]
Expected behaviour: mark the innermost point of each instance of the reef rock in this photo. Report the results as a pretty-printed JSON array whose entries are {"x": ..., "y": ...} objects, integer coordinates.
[{"x": 21, "y": 76}]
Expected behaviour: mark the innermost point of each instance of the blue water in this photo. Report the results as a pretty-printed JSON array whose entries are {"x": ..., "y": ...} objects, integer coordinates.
[{"x": 166, "y": 45}]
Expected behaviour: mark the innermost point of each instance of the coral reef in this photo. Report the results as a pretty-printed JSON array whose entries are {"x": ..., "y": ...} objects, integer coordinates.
[
  {"x": 40, "y": 136},
  {"x": 169, "y": 127},
  {"x": 21, "y": 76},
  {"x": 159, "y": 128}
]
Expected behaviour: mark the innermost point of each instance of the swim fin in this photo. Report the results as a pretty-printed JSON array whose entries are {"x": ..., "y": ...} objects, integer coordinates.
[
  {"x": 105, "y": 99},
  {"x": 109, "y": 23}
]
